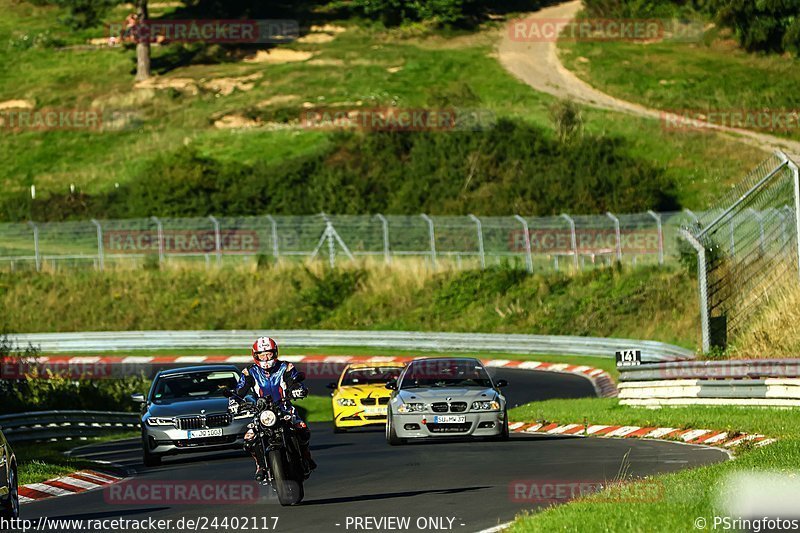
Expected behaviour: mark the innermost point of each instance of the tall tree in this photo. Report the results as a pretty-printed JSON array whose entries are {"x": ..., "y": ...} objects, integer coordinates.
[{"x": 142, "y": 45}]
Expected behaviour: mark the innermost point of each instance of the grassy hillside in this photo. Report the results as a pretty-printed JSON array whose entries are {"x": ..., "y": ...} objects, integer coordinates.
[
  {"x": 646, "y": 303},
  {"x": 711, "y": 74},
  {"x": 239, "y": 110}
]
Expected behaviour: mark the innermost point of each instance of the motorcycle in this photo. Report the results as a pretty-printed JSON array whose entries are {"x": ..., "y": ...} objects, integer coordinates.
[{"x": 276, "y": 443}]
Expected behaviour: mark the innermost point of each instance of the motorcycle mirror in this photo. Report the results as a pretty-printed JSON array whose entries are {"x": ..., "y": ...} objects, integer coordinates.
[
  {"x": 301, "y": 376},
  {"x": 391, "y": 384}
]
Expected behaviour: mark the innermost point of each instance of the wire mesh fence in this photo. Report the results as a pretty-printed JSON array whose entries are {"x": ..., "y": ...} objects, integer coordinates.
[
  {"x": 747, "y": 249},
  {"x": 537, "y": 243}
]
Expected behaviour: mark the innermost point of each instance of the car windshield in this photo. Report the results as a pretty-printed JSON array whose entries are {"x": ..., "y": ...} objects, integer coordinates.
[
  {"x": 194, "y": 385},
  {"x": 445, "y": 373},
  {"x": 369, "y": 376}
]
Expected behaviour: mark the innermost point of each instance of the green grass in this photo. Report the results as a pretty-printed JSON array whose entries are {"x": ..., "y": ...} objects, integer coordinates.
[
  {"x": 708, "y": 75},
  {"x": 681, "y": 496},
  {"x": 315, "y": 408},
  {"x": 644, "y": 302},
  {"x": 433, "y": 66},
  {"x": 40, "y": 461}
]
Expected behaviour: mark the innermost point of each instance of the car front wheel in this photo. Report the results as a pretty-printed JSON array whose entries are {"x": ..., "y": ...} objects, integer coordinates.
[
  {"x": 10, "y": 509},
  {"x": 391, "y": 434}
]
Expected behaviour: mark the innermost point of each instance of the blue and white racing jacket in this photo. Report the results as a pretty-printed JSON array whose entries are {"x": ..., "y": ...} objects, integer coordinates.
[{"x": 270, "y": 382}]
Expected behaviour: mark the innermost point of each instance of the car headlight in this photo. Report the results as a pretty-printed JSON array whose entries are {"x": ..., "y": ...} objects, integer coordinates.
[
  {"x": 486, "y": 406},
  {"x": 411, "y": 408},
  {"x": 157, "y": 421},
  {"x": 346, "y": 402},
  {"x": 267, "y": 418}
]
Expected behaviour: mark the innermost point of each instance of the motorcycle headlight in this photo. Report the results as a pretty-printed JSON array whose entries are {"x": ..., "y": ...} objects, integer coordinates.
[
  {"x": 411, "y": 408},
  {"x": 157, "y": 421},
  {"x": 486, "y": 406},
  {"x": 346, "y": 402},
  {"x": 267, "y": 418}
]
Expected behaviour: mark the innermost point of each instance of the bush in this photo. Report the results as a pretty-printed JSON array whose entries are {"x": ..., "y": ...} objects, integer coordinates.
[
  {"x": 512, "y": 168},
  {"x": 762, "y": 26}
]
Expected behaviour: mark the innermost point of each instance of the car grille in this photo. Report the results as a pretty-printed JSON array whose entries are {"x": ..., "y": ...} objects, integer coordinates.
[
  {"x": 449, "y": 428},
  {"x": 372, "y": 401},
  {"x": 202, "y": 422},
  {"x": 367, "y": 401},
  {"x": 384, "y": 400},
  {"x": 439, "y": 407},
  {"x": 374, "y": 417},
  {"x": 458, "y": 407},
  {"x": 210, "y": 441}
]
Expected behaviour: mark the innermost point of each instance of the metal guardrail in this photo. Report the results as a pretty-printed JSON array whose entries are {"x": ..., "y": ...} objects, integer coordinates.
[
  {"x": 407, "y": 341},
  {"x": 46, "y": 425},
  {"x": 712, "y": 370}
]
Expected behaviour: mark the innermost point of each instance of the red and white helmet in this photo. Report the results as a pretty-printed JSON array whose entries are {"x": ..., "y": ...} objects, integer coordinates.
[{"x": 265, "y": 345}]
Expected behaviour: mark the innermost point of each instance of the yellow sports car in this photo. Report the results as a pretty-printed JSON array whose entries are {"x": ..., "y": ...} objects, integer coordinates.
[{"x": 360, "y": 396}]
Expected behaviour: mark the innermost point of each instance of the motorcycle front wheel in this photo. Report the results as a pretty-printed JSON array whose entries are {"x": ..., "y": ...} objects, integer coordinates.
[{"x": 289, "y": 489}]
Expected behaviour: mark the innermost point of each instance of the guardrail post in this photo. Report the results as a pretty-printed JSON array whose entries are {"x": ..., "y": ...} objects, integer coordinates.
[
  {"x": 387, "y": 254},
  {"x": 573, "y": 239},
  {"x": 37, "y": 256},
  {"x": 528, "y": 256},
  {"x": 481, "y": 251},
  {"x": 618, "y": 234},
  {"x": 432, "y": 235},
  {"x": 275, "y": 249},
  {"x": 217, "y": 239},
  {"x": 160, "y": 230},
  {"x": 100, "y": 254},
  {"x": 660, "y": 229}
]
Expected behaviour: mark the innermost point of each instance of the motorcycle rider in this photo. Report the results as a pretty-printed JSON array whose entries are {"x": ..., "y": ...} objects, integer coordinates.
[{"x": 266, "y": 376}]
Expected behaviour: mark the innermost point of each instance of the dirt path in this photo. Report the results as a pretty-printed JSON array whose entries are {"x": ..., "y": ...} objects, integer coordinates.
[{"x": 537, "y": 64}]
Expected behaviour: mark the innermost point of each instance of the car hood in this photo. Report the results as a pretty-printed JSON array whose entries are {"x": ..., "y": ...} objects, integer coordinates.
[
  {"x": 364, "y": 391},
  {"x": 466, "y": 394},
  {"x": 167, "y": 408}
]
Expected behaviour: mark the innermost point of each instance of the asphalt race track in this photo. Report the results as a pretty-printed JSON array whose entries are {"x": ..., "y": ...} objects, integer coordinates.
[{"x": 461, "y": 486}]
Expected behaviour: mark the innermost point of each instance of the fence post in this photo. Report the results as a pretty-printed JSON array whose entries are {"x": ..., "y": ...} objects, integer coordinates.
[
  {"x": 217, "y": 239},
  {"x": 618, "y": 235},
  {"x": 160, "y": 230},
  {"x": 427, "y": 219},
  {"x": 37, "y": 256},
  {"x": 573, "y": 239},
  {"x": 528, "y": 256},
  {"x": 481, "y": 251},
  {"x": 660, "y": 229},
  {"x": 796, "y": 176},
  {"x": 691, "y": 214},
  {"x": 387, "y": 253},
  {"x": 275, "y": 250},
  {"x": 100, "y": 255},
  {"x": 702, "y": 282},
  {"x": 731, "y": 229}
]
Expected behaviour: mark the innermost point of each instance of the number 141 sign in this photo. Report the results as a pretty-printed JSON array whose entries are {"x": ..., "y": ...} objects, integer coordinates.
[{"x": 629, "y": 357}]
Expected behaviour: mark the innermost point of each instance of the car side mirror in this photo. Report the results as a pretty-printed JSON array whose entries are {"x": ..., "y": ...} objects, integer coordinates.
[
  {"x": 502, "y": 383},
  {"x": 332, "y": 386},
  {"x": 391, "y": 384},
  {"x": 137, "y": 397}
]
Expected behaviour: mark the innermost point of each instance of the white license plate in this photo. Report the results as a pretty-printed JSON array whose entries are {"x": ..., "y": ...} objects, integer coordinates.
[
  {"x": 375, "y": 410},
  {"x": 447, "y": 419},
  {"x": 203, "y": 433}
]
